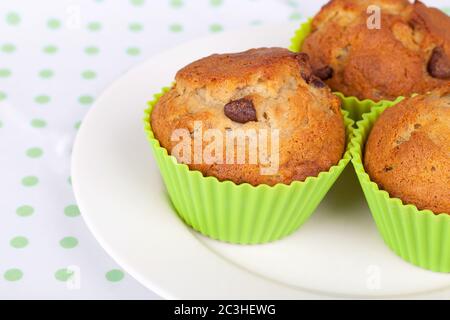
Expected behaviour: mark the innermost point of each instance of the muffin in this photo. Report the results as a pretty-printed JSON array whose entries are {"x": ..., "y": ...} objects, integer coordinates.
[
  {"x": 408, "y": 151},
  {"x": 409, "y": 53},
  {"x": 403, "y": 170},
  {"x": 264, "y": 193},
  {"x": 259, "y": 90}
]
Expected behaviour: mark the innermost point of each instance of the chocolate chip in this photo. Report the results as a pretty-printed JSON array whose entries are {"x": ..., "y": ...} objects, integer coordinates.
[
  {"x": 316, "y": 82},
  {"x": 439, "y": 64},
  {"x": 303, "y": 60},
  {"x": 387, "y": 169},
  {"x": 306, "y": 75},
  {"x": 302, "y": 57},
  {"x": 324, "y": 73},
  {"x": 241, "y": 110}
]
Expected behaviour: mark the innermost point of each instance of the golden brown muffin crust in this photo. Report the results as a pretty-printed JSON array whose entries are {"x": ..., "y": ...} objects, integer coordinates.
[
  {"x": 279, "y": 85},
  {"x": 408, "y": 151},
  {"x": 381, "y": 63}
]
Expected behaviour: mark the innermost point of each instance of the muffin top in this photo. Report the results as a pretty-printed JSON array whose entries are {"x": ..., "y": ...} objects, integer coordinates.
[
  {"x": 409, "y": 53},
  {"x": 268, "y": 91},
  {"x": 408, "y": 151}
]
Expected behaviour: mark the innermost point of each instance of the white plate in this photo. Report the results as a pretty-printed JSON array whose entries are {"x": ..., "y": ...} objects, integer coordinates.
[{"x": 336, "y": 254}]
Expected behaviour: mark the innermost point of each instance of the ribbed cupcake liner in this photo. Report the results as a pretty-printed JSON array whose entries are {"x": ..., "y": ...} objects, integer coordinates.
[
  {"x": 418, "y": 236},
  {"x": 354, "y": 106},
  {"x": 300, "y": 35},
  {"x": 240, "y": 213}
]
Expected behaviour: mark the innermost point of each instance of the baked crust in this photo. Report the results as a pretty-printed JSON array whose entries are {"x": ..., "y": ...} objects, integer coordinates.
[
  {"x": 285, "y": 96},
  {"x": 380, "y": 63},
  {"x": 408, "y": 151}
]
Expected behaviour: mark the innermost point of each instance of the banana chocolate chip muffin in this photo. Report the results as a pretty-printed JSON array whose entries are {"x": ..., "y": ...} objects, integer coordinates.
[
  {"x": 268, "y": 91},
  {"x": 408, "y": 151},
  {"x": 408, "y": 53}
]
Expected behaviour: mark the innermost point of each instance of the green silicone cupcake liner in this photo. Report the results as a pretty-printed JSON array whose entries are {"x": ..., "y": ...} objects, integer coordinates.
[
  {"x": 355, "y": 107},
  {"x": 240, "y": 213},
  {"x": 300, "y": 36},
  {"x": 418, "y": 236}
]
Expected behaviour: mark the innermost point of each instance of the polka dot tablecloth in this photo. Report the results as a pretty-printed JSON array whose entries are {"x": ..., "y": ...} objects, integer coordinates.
[{"x": 56, "y": 56}]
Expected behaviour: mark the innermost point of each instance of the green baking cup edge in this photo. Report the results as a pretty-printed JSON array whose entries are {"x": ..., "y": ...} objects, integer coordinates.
[
  {"x": 354, "y": 106},
  {"x": 418, "y": 236},
  {"x": 300, "y": 35},
  {"x": 241, "y": 213}
]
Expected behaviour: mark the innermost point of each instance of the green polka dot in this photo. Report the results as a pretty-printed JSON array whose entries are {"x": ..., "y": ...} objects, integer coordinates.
[
  {"x": 42, "y": 99},
  {"x": 446, "y": 10},
  {"x": 216, "y": 3},
  {"x": 295, "y": 16},
  {"x": 176, "y": 27},
  {"x": 12, "y": 18},
  {"x": 137, "y": 2},
  {"x": 114, "y": 275},
  {"x": 50, "y": 49},
  {"x": 38, "y": 123},
  {"x": 72, "y": 211},
  {"x": 88, "y": 74},
  {"x": 2, "y": 96},
  {"x": 34, "y": 152},
  {"x": 69, "y": 180},
  {"x": 18, "y": 242},
  {"x": 68, "y": 242},
  {"x": 85, "y": 100},
  {"x": 91, "y": 50},
  {"x": 63, "y": 274},
  {"x": 133, "y": 51},
  {"x": 77, "y": 125},
  {"x": 13, "y": 275},
  {"x": 94, "y": 26},
  {"x": 45, "y": 73},
  {"x": 25, "y": 211},
  {"x": 5, "y": 73},
  {"x": 54, "y": 24},
  {"x": 215, "y": 27},
  {"x": 256, "y": 22},
  {"x": 30, "y": 181},
  {"x": 135, "y": 27},
  {"x": 292, "y": 3},
  {"x": 8, "y": 48},
  {"x": 176, "y": 3}
]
